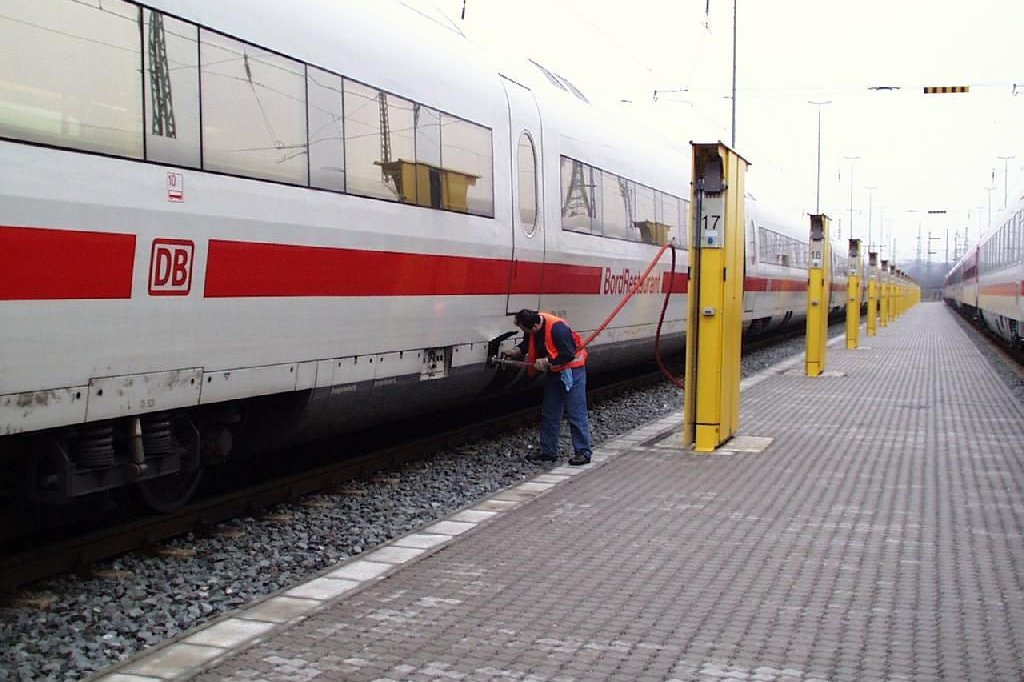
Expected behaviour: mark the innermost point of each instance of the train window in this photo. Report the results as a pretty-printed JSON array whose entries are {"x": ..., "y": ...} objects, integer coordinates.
[
  {"x": 1011, "y": 233},
  {"x": 664, "y": 221},
  {"x": 644, "y": 215},
  {"x": 579, "y": 207},
  {"x": 616, "y": 206},
  {"x": 326, "y": 135},
  {"x": 467, "y": 159},
  {"x": 1020, "y": 237},
  {"x": 1015, "y": 231},
  {"x": 602, "y": 203},
  {"x": 669, "y": 216},
  {"x": 254, "y": 111},
  {"x": 428, "y": 135},
  {"x": 596, "y": 176},
  {"x": 628, "y": 189},
  {"x": 379, "y": 137},
  {"x": 69, "y": 75},
  {"x": 774, "y": 247},
  {"x": 683, "y": 236},
  {"x": 526, "y": 162},
  {"x": 171, "y": 72}
]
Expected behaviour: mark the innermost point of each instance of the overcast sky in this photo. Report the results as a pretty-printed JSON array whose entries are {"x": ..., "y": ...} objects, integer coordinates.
[{"x": 921, "y": 152}]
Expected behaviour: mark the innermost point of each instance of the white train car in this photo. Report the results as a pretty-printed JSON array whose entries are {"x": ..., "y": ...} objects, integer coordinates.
[
  {"x": 987, "y": 284},
  {"x": 775, "y": 291},
  {"x": 224, "y": 230}
]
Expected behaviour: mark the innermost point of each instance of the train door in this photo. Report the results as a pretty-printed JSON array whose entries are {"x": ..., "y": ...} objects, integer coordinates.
[{"x": 526, "y": 275}]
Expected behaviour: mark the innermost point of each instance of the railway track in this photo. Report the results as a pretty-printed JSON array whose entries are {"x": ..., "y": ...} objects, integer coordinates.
[{"x": 81, "y": 552}]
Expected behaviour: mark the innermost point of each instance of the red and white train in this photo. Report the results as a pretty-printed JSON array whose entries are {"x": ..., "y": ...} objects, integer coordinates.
[
  {"x": 227, "y": 228},
  {"x": 987, "y": 283}
]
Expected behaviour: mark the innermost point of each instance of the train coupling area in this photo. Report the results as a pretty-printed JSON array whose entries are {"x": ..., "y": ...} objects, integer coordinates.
[{"x": 499, "y": 361}]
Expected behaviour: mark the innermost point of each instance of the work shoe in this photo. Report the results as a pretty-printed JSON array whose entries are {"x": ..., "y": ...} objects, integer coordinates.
[{"x": 579, "y": 459}]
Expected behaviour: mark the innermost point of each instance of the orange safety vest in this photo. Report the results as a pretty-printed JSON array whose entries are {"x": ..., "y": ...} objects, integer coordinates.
[{"x": 549, "y": 343}]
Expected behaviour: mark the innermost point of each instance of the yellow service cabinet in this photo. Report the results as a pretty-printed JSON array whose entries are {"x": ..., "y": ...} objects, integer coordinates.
[
  {"x": 883, "y": 294},
  {"x": 853, "y": 295},
  {"x": 872, "y": 276},
  {"x": 819, "y": 286},
  {"x": 715, "y": 323}
]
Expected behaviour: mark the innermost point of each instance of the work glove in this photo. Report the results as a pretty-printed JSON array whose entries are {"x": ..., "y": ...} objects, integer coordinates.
[{"x": 541, "y": 364}]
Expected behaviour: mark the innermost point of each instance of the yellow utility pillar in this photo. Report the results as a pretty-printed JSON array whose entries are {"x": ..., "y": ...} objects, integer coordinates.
[
  {"x": 883, "y": 279},
  {"x": 711, "y": 405},
  {"x": 897, "y": 293},
  {"x": 894, "y": 292},
  {"x": 853, "y": 295},
  {"x": 872, "y": 276},
  {"x": 819, "y": 286},
  {"x": 905, "y": 291}
]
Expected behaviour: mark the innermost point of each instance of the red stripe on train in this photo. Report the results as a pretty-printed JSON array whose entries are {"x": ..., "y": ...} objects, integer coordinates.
[
  {"x": 50, "y": 264},
  {"x": 769, "y": 284},
  {"x": 240, "y": 269},
  {"x": 679, "y": 283},
  {"x": 1001, "y": 289}
]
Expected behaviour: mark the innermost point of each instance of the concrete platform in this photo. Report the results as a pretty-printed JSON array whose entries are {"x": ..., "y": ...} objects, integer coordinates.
[{"x": 868, "y": 527}]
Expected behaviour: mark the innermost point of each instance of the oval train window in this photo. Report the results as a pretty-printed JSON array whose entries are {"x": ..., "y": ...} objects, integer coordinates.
[{"x": 527, "y": 163}]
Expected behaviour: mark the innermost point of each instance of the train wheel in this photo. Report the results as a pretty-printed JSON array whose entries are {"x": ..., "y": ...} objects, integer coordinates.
[{"x": 167, "y": 493}]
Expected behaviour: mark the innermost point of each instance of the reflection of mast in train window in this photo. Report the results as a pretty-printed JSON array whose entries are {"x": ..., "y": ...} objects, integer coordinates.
[
  {"x": 378, "y": 129},
  {"x": 578, "y": 206},
  {"x": 598, "y": 202},
  {"x": 162, "y": 97},
  {"x": 172, "y": 90}
]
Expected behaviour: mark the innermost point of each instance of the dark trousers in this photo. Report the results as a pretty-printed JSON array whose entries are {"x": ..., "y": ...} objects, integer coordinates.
[{"x": 573, "y": 403}]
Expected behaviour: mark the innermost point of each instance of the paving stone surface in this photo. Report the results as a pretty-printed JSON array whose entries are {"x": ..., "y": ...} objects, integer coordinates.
[{"x": 878, "y": 536}]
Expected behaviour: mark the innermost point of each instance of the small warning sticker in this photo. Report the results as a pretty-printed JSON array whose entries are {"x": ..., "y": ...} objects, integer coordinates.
[{"x": 175, "y": 187}]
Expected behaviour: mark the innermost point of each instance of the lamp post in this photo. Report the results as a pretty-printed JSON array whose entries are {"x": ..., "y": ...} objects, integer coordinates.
[
  {"x": 989, "y": 188},
  {"x": 851, "y": 159},
  {"x": 734, "y": 74},
  {"x": 1006, "y": 162},
  {"x": 871, "y": 196},
  {"x": 817, "y": 193}
]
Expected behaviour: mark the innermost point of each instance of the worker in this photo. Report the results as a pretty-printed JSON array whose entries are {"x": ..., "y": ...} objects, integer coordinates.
[{"x": 553, "y": 348}]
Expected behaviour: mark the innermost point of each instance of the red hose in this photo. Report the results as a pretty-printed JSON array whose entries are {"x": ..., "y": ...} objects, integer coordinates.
[
  {"x": 661, "y": 320},
  {"x": 625, "y": 299},
  {"x": 677, "y": 381}
]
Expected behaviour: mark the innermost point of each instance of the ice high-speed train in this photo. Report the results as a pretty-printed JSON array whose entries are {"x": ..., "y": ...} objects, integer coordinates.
[
  {"x": 987, "y": 283},
  {"x": 226, "y": 226}
]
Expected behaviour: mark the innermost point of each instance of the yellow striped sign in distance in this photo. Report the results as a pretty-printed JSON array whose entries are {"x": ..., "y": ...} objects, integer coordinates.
[{"x": 946, "y": 89}]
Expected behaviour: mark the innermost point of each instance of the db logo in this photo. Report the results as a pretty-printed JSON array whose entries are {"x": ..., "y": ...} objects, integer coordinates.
[{"x": 170, "y": 267}]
